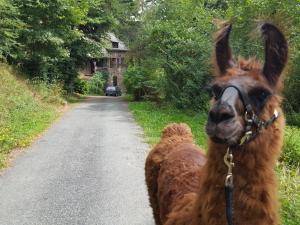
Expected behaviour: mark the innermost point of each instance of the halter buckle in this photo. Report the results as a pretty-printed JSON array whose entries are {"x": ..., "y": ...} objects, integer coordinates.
[
  {"x": 229, "y": 180},
  {"x": 228, "y": 160}
]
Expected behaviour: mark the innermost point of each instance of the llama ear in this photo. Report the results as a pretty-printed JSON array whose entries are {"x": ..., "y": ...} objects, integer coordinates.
[
  {"x": 276, "y": 53},
  {"x": 223, "y": 51}
]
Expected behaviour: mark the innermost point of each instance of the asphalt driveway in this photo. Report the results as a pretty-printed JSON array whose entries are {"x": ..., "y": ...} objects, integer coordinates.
[{"x": 87, "y": 169}]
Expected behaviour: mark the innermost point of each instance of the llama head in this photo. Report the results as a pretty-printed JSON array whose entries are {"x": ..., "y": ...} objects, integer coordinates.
[{"x": 244, "y": 83}]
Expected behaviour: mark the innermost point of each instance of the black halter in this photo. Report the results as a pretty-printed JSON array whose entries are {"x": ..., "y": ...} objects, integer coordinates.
[
  {"x": 253, "y": 126},
  {"x": 253, "y": 123}
]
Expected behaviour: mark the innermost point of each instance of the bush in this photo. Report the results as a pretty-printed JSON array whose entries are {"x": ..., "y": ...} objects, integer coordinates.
[
  {"x": 178, "y": 47},
  {"x": 81, "y": 86},
  {"x": 97, "y": 84},
  {"x": 140, "y": 84}
]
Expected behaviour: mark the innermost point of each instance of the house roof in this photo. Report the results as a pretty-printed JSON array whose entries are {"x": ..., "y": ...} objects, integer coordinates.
[
  {"x": 113, "y": 38},
  {"x": 108, "y": 40}
]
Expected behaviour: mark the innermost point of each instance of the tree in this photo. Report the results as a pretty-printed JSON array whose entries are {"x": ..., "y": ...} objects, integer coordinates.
[
  {"x": 176, "y": 38},
  {"x": 9, "y": 26},
  {"x": 60, "y": 35}
]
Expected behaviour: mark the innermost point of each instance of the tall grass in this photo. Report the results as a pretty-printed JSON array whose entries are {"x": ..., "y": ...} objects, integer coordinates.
[{"x": 26, "y": 109}]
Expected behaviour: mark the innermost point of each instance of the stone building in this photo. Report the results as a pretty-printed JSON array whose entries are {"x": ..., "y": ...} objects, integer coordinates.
[{"x": 112, "y": 62}]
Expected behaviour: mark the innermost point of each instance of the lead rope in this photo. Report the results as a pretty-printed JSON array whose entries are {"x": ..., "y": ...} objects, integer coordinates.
[
  {"x": 228, "y": 160},
  {"x": 251, "y": 119}
]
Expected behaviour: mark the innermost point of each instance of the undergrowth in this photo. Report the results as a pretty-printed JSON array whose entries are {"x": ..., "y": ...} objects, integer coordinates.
[
  {"x": 26, "y": 109},
  {"x": 154, "y": 118}
]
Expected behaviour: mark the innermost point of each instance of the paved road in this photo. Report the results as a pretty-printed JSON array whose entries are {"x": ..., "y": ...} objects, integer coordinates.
[{"x": 87, "y": 169}]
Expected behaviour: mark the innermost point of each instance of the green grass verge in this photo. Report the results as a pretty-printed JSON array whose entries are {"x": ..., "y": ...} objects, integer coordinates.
[
  {"x": 25, "y": 111},
  {"x": 153, "y": 119}
]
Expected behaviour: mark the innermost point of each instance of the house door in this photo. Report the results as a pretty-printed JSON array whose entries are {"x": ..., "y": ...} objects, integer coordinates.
[
  {"x": 115, "y": 81},
  {"x": 93, "y": 67}
]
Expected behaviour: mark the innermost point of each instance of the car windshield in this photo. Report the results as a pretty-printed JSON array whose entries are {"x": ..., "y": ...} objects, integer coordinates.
[{"x": 111, "y": 88}]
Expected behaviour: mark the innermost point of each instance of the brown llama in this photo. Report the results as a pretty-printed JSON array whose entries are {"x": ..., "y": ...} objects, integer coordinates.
[{"x": 186, "y": 187}]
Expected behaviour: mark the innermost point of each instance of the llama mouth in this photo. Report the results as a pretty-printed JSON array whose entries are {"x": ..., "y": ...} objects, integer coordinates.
[
  {"x": 232, "y": 140},
  {"x": 218, "y": 140}
]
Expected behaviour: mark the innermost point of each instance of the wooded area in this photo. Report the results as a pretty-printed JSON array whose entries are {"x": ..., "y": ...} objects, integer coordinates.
[
  {"x": 172, "y": 50},
  {"x": 171, "y": 42},
  {"x": 170, "y": 63},
  {"x": 51, "y": 40}
]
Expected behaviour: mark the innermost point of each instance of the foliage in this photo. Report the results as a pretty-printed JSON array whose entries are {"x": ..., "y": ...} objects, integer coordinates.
[
  {"x": 246, "y": 15},
  {"x": 175, "y": 39},
  {"x": 138, "y": 82},
  {"x": 25, "y": 110},
  {"x": 154, "y": 118},
  {"x": 163, "y": 43},
  {"x": 292, "y": 92},
  {"x": 175, "y": 36},
  {"x": 291, "y": 148},
  {"x": 128, "y": 19},
  {"x": 97, "y": 84},
  {"x": 9, "y": 22},
  {"x": 50, "y": 93},
  {"x": 289, "y": 183},
  {"x": 52, "y": 40},
  {"x": 80, "y": 86}
]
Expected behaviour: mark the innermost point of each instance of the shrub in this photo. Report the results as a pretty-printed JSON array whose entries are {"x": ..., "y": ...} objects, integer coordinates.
[
  {"x": 97, "y": 84},
  {"x": 178, "y": 46},
  {"x": 141, "y": 84},
  {"x": 81, "y": 86}
]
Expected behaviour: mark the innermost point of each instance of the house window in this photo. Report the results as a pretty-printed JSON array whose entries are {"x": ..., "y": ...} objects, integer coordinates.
[
  {"x": 113, "y": 62},
  {"x": 123, "y": 61},
  {"x": 115, "y": 44},
  {"x": 93, "y": 67},
  {"x": 102, "y": 63},
  {"x": 119, "y": 62},
  {"x": 115, "y": 81}
]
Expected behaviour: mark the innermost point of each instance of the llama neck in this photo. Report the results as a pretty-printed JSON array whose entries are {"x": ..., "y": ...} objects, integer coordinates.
[{"x": 255, "y": 188}]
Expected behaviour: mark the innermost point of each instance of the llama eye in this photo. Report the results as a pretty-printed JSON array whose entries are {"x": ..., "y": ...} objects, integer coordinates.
[
  {"x": 216, "y": 91},
  {"x": 260, "y": 94},
  {"x": 258, "y": 97}
]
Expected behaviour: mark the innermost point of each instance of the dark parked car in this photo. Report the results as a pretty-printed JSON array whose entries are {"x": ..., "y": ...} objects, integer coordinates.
[{"x": 113, "y": 91}]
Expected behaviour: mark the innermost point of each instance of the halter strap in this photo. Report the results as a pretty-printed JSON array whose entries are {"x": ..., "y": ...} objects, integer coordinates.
[
  {"x": 253, "y": 123},
  {"x": 252, "y": 128},
  {"x": 243, "y": 95}
]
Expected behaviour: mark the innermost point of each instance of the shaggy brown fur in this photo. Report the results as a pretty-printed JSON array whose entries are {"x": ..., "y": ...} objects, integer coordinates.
[
  {"x": 187, "y": 188},
  {"x": 172, "y": 137}
]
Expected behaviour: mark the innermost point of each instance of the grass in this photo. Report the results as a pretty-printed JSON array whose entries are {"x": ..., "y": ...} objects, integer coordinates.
[
  {"x": 289, "y": 183},
  {"x": 153, "y": 119},
  {"x": 74, "y": 98},
  {"x": 291, "y": 148},
  {"x": 26, "y": 109}
]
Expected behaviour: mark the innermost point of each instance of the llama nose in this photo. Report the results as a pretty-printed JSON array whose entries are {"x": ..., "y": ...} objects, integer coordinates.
[{"x": 221, "y": 112}]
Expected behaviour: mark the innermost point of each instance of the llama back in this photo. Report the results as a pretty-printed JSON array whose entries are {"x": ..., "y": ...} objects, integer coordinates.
[
  {"x": 177, "y": 129},
  {"x": 173, "y": 136},
  {"x": 179, "y": 177}
]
